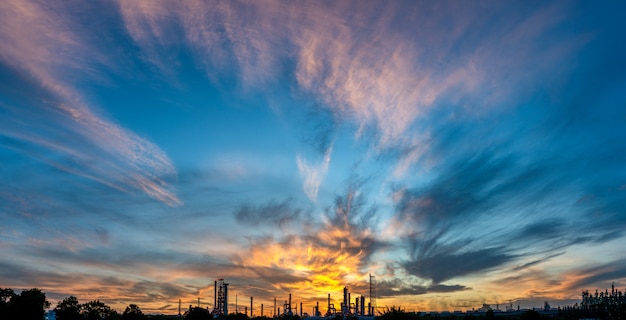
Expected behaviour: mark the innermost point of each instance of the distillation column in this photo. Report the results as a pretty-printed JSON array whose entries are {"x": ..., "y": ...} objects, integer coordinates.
[{"x": 225, "y": 298}]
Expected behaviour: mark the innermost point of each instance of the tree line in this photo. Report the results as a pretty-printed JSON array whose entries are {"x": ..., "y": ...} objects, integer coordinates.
[
  {"x": 70, "y": 309},
  {"x": 28, "y": 305},
  {"x": 32, "y": 304},
  {"x": 603, "y": 305}
]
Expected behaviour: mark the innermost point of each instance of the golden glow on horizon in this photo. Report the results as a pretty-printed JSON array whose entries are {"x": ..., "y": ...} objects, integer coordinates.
[{"x": 325, "y": 267}]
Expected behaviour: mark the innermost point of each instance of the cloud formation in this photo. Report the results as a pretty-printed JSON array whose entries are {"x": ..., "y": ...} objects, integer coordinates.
[
  {"x": 324, "y": 256},
  {"x": 392, "y": 288},
  {"x": 603, "y": 273},
  {"x": 491, "y": 136},
  {"x": 490, "y": 202},
  {"x": 64, "y": 131},
  {"x": 332, "y": 62},
  {"x": 273, "y": 213},
  {"x": 313, "y": 174}
]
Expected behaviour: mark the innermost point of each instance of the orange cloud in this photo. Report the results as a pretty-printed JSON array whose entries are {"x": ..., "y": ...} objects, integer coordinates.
[{"x": 323, "y": 258}]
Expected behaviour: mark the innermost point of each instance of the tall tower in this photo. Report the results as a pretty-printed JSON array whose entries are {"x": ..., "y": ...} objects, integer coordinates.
[
  {"x": 225, "y": 298},
  {"x": 372, "y": 295},
  {"x": 345, "y": 305},
  {"x": 362, "y": 312},
  {"x": 221, "y": 296}
]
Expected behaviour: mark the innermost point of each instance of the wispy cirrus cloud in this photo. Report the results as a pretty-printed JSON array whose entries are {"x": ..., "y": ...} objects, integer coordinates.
[
  {"x": 397, "y": 287},
  {"x": 273, "y": 213},
  {"x": 382, "y": 70},
  {"x": 48, "y": 57},
  {"x": 491, "y": 201},
  {"x": 604, "y": 272},
  {"x": 330, "y": 59},
  {"x": 313, "y": 174},
  {"x": 348, "y": 60}
]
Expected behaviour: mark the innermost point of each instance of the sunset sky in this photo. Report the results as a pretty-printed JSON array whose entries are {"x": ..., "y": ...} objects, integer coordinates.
[{"x": 463, "y": 152}]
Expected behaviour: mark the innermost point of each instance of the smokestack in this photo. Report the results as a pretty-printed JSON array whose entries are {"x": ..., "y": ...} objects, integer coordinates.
[
  {"x": 369, "y": 305},
  {"x": 362, "y": 305},
  {"x": 348, "y": 307},
  {"x": 261, "y": 310},
  {"x": 250, "y": 307},
  {"x": 289, "y": 312},
  {"x": 215, "y": 295},
  {"x": 300, "y": 309},
  {"x": 346, "y": 301},
  {"x": 226, "y": 299},
  {"x": 329, "y": 303}
]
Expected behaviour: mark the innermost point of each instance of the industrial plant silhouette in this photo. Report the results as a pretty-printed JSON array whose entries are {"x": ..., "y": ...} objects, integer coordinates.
[
  {"x": 346, "y": 309},
  {"x": 32, "y": 304}
]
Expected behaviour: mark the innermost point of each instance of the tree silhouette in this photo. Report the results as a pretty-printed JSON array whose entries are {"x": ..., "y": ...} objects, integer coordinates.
[
  {"x": 531, "y": 315},
  {"x": 6, "y": 295},
  {"x": 29, "y": 305},
  {"x": 132, "y": 312},
  {"x": 68, "y": 309},
  {"x": 397, "y": 313},
  {"x": 289, "y": 317},
  {"x": 97, "y": 310},
  {"x": 237, "y": 316},
  {"x": 197, "y": 313}
]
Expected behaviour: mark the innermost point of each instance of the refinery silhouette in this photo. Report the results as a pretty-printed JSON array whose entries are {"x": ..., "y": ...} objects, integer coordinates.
[
  {"x": 32, "y": 304},
  {"x": 601, "y": 305},
  {"x": 346, "y": 308}
]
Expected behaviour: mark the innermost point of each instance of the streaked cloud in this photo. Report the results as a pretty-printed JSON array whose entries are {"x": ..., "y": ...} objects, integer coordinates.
[
  {"x": 362, "y": 65},
  {"x": 313, "y": 174},
  {"x": 603, "y": 273},
  {"x": 42, "y": 47},
  {"x": 273, "y": 213}
]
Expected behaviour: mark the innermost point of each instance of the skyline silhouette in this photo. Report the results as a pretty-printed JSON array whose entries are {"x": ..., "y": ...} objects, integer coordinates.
[{"x": 29, "y": 303}]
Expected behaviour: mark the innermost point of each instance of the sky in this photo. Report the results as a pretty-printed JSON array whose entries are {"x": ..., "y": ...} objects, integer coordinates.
[{"x": 462, "y": 152}]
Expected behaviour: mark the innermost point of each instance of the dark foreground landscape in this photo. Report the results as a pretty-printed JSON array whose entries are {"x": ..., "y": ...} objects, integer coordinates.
[{"x": 32, "y": 305}]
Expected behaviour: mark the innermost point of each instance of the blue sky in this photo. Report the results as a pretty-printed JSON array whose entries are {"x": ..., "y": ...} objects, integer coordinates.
[{"x": 461, "y": 152}]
